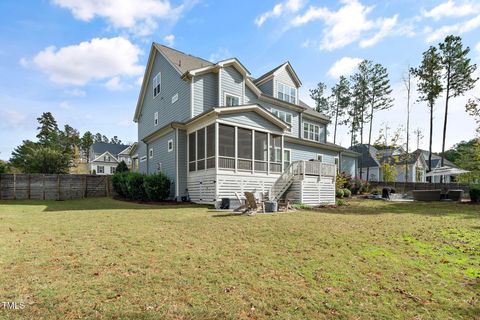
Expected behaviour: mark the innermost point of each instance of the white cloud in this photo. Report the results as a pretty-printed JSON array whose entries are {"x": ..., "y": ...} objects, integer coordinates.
[
  {"x": 478, "y": 47},
  {"x": 385, "y": 29},
  {"x": 346, "y": 25},
  {"x": 139, "y": 18},
  {"x": 343, "y": 67},
  {"x": 100, "y": 58},
  {"x": 288, "y": 6},
  {"x": 458, "y": 28},
  {"x": 76, "y": 92},
  {"x": 66, "y": 105},
  {"x": 452, "y": 9},
  {"x": 12, "y": 118},
  {"x": 169, "y": 40},
  {"x": 115, "y": 84},
  {"x": 219, "y": 55}
]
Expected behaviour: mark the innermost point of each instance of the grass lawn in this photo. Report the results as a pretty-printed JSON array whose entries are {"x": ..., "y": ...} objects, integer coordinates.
[{"x": 101, "y": 258}]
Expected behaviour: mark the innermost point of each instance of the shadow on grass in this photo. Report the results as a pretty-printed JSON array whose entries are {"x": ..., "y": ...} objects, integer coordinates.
[
  {"x": 435, "y": 209},
  {"x": 91, "y": 204}
]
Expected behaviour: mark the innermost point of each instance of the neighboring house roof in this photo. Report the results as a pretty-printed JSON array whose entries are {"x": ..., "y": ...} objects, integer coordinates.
[
  {"x": 436, "y": 160},
  {"x": 368, "y": 156},
  {"x": 181, "y": 61},
  {"x": 411, "y": 158},
  {"x": 102, "y": 147},
  {"x": 100, "y": 158}
]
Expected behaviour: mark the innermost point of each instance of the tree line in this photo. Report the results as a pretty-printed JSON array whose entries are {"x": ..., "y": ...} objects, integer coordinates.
[
  {"x": 445, "y": 69},
  {"x": 55, "y": 150}
]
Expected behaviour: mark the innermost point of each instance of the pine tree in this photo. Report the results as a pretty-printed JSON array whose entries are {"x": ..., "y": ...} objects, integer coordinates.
[
  {"x": 457, "y": 74},
  {"x": 321, "y": 101},
  {"x": 97, "y": 137},
  {"x": 340, "y": 98},
  {"x": 429, "y": 86},
  {"x": 85, "y": 143},
  {"x": 360, "y": 95},
  {"x": 379, "y": 96},
  {"x": 48, "y": 129}
]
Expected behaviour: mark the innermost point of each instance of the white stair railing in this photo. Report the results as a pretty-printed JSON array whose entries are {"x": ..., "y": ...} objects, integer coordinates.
[{"x": 285, "y": 180}]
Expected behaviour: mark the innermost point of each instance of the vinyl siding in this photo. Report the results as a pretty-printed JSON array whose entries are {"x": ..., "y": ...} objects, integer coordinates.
[
  {"x": 348, "y": 165},
  {"x": 205, "y": 92},
  {"x": 250, "y": 119},
  {"x": 142, "y": 151},
  {"x": 161, "y": 155},
  {"x": 232, "y": 83},
  {"x": 301, "y": 152},
  {"x": 267, "y": 87},
  {"x": 252, "y": 99},
  {"x": 283, "y": 76},
  {"x": 167, "y": 112},
  {"x": 182, "y": 162}
]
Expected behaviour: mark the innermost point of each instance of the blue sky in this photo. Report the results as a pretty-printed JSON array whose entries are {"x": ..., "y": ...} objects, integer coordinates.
[{"x": 83, "y": 60}]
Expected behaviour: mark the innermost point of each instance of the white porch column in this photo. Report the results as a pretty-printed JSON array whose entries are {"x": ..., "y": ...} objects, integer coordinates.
[
  {"x": 268, "y": 153},
  {"x": 236, "y": 149},
  {"x": 281, "y": 155},
  {"x": 253, "y": 151}
]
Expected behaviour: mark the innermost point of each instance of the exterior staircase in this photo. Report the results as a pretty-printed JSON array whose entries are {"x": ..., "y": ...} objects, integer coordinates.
[{"x": 284, "y": 181}]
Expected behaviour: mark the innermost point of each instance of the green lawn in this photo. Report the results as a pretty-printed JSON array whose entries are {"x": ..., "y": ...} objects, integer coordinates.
[{"x": 101, "y": 258}]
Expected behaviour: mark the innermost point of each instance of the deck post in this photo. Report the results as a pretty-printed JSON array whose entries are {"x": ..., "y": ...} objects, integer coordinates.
[{"x": 303, "y": 169}]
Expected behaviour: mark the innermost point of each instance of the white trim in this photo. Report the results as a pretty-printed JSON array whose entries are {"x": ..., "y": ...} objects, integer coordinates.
[
  {"x": 319, "y": 132},
  {"x": 155, "y": 119},
  {"x": 150, "y": 153},
  {"x": 175, "y": 98},
  {"x": 220, "y": 87},
  {"x": 225, "y": 94},
  {"x": 192, "y": 97},
  {"x": 97, "y": 159},
  {"x": 143, "y": 159},
  {"x": 236, "y": 124},
  {"x": 168, "y": 144},
  {"x": 157, "y": 83},
  {"x": 275, "y": 93}
]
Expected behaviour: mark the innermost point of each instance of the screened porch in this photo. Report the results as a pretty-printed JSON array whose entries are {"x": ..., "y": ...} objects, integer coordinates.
[{"x": 226, "y": 147}]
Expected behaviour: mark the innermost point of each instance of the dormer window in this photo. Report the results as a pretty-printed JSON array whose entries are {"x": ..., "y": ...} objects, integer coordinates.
[
  {"x": 157, "y": 84},
  {"x": 286, "y": 92},
  {"x": 231, "y": 100}
]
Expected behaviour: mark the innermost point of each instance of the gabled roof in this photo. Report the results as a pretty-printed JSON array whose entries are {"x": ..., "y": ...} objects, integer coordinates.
[
  {"x": 436, "y": 160},
  {"x": 289, "y": 69},
  {"x": 102, "y": 147},
  {"x": 100, "y": 158},
  {"x": 368, "y": 155},
  {"x": 182, "y": 62}
]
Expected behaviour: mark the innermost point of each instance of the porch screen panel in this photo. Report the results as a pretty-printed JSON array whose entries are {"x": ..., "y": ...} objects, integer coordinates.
[
  {"x": 201, "y": 149},
  {"x": 275, "y": 153},
  {"x": 192, "y": 142},
  {"x": 211, "y": 146},
  {"x": 244, "y": 149},
  {"x": 261, "y": 151},
  {"x": 226, "y": 146}
]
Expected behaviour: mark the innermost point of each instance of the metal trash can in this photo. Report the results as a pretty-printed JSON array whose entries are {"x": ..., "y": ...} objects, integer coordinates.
[
  {"x": 271, "y": 206},
  {"x": 225, "y": 203}
]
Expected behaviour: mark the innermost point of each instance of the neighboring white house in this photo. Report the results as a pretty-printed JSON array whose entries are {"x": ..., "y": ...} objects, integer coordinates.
[
  {"x": 105, "y": 157},
  {"x": 371, "y": 161}
]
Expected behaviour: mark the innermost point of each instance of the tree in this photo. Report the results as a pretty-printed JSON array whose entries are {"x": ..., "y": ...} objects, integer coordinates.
[
  {"x": 48, "y": 129},
  {"x": 473, "y": 109},
  {"x": 321, "y": 101},
  {"x": 44, "y": 159},
  {"x": 97, "y": 137},
  {"x": 360, "y": 95},
  {"x": 122, "y": 167},
  {"x": 69, "y": 139},
  {"x": 419, "y": 136},
  {"x": 105, "y": 139},
  {"x": 407, "y": 82},
  {"x": 3, "y": 166},
  {"x": 85, "y": 143},
  {"x": 115, "y": 140},
  {"x": 466, "y": 155},
  {"x": 457, "y": 74},
  {"x": 340, "y": 102},
  {"x": 429, "y": 87},
  {"x": 379, "y": 96}
]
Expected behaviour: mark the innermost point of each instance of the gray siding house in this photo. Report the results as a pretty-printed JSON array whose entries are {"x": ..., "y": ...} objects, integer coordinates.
[{"x": 214, "y": 130}]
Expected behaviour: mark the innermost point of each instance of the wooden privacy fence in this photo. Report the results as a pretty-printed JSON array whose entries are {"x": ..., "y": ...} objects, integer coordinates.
[
  {"x": 54, "y": 186},
  {"x": 410, "y": 186}
]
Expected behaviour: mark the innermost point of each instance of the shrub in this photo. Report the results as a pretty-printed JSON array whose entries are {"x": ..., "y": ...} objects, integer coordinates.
[
  {"x": 357, "y": 186},
  {"x": 376, "y": 191},
  {"x": 302, "y": 206},
  {"x": 157, "y": 187},
  {"x": 122, "y": 167},
  {"x": 347, "y": 193},
  {"x": 341, "y": 202},
  {"x": 135, "y": 187},
  {"x": 475, "y": 193},
  {"x": 141, "y": 187},
  {"x": 339, "y": 193}
]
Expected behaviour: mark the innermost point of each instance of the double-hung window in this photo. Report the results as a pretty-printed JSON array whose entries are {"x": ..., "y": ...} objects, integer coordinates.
[
  {"x": 286, "y": 92},
  {"x": 313, "y": 132},
  {"x": 157, "y": 84},
  {"x": 284, "y": 116},
  {"x": 100, "y": 169},
  {"x": 231, "y": 100}
]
